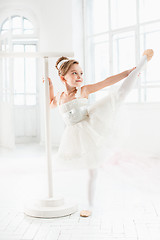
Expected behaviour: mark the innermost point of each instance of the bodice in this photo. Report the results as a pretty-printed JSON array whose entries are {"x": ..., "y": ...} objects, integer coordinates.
[{"x": 75, "y": 110}]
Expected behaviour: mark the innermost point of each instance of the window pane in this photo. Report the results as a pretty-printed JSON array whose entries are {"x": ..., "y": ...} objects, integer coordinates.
[
  {"x": 18, "y": 48},
  {"x": 17, "y": 31},
  {"x": 16, "y": 22},
  {"x": 4, "y": 31},
  {"x": 124, "y": 57},
  {"x": 27, "y": 24},
  {"x": 30, "y": 48},
  {"x": 3, "y": 47},
  {"x": 5, "y": 97},
  {"x": 123, "y": 13},
  {"x": 5, "y": 25},
  {"x": 30, "y": 99},
  {"x": 30, "y": 72},
  {"x": 98, "y": 58},
  {"x": 101, "y": 61},
  {"x": 18, "y": 75},
  {"x": 4, "y": 75},
  {"x": 7, "y": 79},
  {"x": 149, "y": 38},
  {"x": 7, "y": 47},
  {"x": 3, "y": 72},
  {"x": 123, "y": 51},
  {"x": 151, "y": 95},
  {"x": 28, "y": 31},
  {"x": 97, "y": 16},
  {"x": 149, "y": 10},
  {"x": 18, "y": 99}
]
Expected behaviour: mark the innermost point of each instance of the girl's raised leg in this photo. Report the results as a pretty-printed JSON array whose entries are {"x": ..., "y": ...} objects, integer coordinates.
[{"x": 130, "y": 80}]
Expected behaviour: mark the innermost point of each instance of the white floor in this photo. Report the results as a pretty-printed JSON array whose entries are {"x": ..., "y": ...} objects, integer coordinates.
[{"x": 120, "y": 211}]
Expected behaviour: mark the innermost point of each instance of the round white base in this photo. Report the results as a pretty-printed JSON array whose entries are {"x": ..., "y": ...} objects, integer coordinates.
[{"x": 50, "y": 208}]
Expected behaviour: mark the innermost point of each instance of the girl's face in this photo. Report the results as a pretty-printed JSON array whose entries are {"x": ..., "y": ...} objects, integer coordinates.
[{"x": 74, "y": 76}]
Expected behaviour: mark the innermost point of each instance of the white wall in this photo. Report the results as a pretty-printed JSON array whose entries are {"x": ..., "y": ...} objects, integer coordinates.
[
  {"x": 61, "y": 29},
  {"x": 144, "y": 129},
  {"x": 77, "y": 31},
  {"x": 140, "y": 128},
  {"x": 53, "y": 17}
]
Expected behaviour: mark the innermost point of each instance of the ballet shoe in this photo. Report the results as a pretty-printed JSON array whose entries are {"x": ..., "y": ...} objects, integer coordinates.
[
  {"x": 85, "y": 213},
  {"x": 149, "y": 53}
]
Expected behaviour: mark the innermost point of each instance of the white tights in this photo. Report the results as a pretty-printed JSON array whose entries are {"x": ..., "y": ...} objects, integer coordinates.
[
  {"x": 92, "y": 185},
  {"x": 129, "y": 81}
]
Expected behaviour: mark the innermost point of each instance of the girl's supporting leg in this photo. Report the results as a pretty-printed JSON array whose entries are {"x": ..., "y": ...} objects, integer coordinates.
[
  {"x": 92, "y": 185},
  {"x": 91, "y": 192}
]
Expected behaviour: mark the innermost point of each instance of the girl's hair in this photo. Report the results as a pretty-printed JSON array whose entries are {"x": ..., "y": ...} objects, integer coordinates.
[{"x": 63, "y": 69}]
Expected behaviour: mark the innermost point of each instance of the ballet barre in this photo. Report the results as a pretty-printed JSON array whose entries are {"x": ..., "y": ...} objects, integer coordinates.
[{"x": 52, "y": 206}]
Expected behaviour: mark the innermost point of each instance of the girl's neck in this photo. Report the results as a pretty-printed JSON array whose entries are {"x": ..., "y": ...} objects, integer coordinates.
[{"x": 70, "y": 90}]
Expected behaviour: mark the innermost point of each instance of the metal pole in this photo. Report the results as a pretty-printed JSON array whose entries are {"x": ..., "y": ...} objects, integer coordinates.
[{"x": 48, "y": 130}]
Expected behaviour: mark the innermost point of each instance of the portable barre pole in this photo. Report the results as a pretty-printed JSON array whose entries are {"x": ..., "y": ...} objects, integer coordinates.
[
  {"x": 50, "y": 206},
  {"x": 48, "y": 130}
]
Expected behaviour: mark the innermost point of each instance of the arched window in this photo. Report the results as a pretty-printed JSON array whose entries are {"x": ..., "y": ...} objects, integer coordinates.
[
  {"x": 17, "y": 25},
  {"x": 18, "y": 34},
  {"x": 18, "y": 75}
]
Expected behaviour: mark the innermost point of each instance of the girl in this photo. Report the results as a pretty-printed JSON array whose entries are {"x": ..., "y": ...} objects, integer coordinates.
[{"x": 88, "y": 133}]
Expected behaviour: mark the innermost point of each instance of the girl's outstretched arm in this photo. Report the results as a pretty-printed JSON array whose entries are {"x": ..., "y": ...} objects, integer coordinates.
[{"x": 91, "y": 88}]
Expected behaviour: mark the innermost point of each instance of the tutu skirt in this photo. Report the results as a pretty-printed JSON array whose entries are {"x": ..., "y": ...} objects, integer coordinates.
[{"x": 90, "y": 142}]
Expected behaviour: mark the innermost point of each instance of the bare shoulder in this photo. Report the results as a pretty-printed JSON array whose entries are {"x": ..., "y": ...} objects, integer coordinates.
[{"x": 84, "y": 91}]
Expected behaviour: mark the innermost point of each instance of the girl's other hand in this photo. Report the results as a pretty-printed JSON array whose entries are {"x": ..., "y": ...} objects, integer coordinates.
[{"x": 50, "y": 82}]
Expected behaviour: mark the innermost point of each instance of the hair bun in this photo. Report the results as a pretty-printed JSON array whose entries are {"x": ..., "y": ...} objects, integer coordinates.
[
  {"x": 63, "y": 64},
  {"x": 59, "y": 60}
]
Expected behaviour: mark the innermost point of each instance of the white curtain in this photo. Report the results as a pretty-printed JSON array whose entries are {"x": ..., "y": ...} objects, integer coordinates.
[{"x": 7, "y": 135}]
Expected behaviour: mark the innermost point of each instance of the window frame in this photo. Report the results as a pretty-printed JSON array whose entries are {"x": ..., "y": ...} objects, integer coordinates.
[{"x": 136, "y": 28}]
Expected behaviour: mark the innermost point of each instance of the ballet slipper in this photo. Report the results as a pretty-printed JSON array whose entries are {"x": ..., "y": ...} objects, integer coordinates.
[
  {"x": 85, "y": 213},
  {"x": 149, "y": 53}
]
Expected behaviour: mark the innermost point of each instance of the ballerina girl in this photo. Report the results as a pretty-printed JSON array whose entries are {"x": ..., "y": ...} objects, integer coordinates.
[{"x": 86, "y": 138}]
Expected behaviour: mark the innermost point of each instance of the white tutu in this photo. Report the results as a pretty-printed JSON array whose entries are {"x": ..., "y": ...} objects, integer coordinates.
[{"x": 87, "y": 143}]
